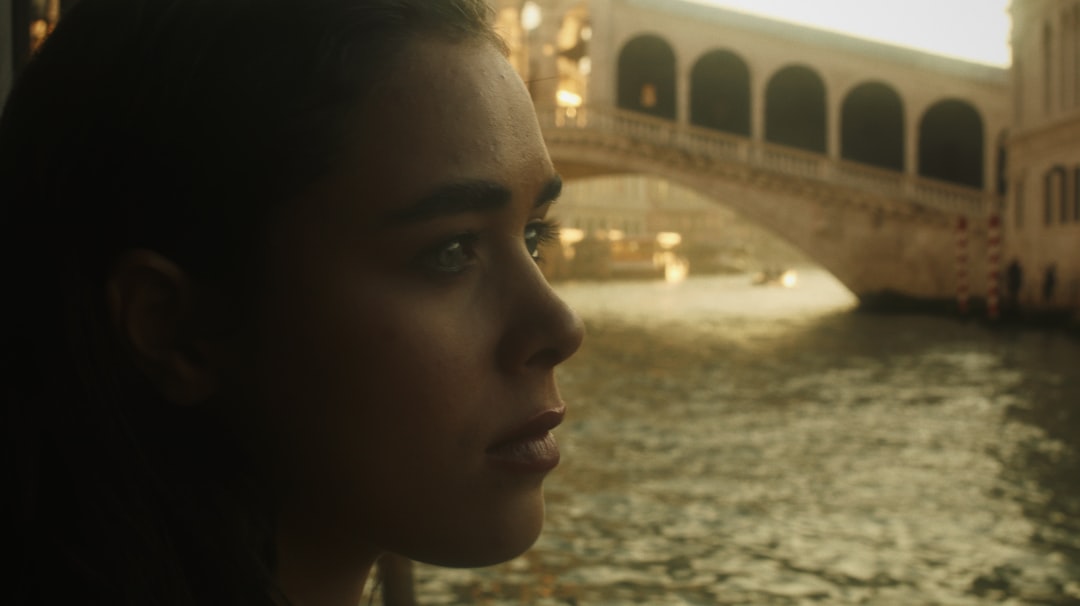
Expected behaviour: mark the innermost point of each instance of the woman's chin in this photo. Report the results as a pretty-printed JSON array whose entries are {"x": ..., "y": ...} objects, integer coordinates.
[
  {"x": 481, "y": 555},
  {"x": 498, "y": 539}
]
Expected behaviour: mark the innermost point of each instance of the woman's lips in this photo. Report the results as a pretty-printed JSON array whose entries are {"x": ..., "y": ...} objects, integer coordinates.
[{"x": 530, "y": 448}]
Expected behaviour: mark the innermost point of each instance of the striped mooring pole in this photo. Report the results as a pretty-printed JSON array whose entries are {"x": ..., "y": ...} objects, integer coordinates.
[
  {"x": 993, "y": 264},
  {"x": 962, "y": 286}
]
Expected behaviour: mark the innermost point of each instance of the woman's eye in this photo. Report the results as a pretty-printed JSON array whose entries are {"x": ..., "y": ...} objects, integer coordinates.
[
  {"x": 453, "y": 256},
  {"x": 539, "y": 233}
]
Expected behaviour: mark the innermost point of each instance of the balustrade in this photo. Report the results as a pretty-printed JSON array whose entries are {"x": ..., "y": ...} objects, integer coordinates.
[{"x": 699, "y": 142}]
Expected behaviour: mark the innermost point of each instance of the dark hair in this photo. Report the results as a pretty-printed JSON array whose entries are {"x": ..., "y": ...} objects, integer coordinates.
[{"x": 172, "y": 125}]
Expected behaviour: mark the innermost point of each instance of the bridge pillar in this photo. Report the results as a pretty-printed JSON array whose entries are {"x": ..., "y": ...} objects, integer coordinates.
[
  {"x": 757, "y": 107},
  {"x": 602, "y": 78},
  {"x": 832, "y": 121},
  {"x": 991, "y": 140},
  {"x": 682, "y": 93},
  {"x": 911, "y": 143}
]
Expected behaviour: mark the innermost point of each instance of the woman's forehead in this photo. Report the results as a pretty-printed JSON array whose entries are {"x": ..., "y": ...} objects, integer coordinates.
[
  {"x": 455, "y": 108},
  {"x": 455, "y": 86}
]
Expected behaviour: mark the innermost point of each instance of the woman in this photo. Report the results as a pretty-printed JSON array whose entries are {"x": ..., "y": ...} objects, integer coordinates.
[{"x": 273, "y": 305}]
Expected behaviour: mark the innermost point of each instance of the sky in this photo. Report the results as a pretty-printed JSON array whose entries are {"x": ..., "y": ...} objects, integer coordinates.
[{"x": 976, "y": 30}]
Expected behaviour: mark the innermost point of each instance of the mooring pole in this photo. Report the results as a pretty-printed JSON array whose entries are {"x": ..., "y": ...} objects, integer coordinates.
[{"x": 962, "y": 258}]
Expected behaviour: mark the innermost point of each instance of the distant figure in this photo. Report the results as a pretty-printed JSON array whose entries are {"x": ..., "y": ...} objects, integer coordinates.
[
  {"x": 1014, "y": 280},
  {"x": 1049, "y": 283}
]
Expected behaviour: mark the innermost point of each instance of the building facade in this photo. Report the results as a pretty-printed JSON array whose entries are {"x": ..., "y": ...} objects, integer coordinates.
[{"x": 1042, "y": 216}]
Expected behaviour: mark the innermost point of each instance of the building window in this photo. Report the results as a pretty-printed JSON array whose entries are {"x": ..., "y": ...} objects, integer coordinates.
[
  {"x": 1065, "y": 199},
  {"x": 1054, "y": 194},
  {"x": 1076, "y": 195},
  {"x": 1048, "y": 208},
  {"x": 1018, "y": 205}
]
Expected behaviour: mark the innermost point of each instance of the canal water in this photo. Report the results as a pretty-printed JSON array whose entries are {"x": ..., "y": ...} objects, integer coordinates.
[{"x": 732, "y": 444}]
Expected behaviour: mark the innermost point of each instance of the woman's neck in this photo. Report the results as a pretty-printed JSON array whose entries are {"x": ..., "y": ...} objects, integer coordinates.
[{"x": 312, "y": 571}]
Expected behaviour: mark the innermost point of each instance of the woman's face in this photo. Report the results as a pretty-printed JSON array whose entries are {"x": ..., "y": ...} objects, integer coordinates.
[{"x": 409, "y": 338}]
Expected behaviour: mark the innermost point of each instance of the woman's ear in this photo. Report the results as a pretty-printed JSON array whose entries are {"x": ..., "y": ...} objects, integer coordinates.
[{"x": 152, "y": 303}]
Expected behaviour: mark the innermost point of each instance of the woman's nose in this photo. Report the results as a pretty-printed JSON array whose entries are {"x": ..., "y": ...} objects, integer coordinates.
[
  {"x": 565, "y": 333},
  {"x": 544, "y": 331}
]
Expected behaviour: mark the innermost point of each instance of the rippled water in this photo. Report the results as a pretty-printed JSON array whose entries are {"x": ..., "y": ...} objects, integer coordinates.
[{"x": 731, "y": 444}]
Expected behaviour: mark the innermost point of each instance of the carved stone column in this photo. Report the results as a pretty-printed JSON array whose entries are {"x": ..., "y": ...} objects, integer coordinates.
[
  {"x": 833, "y": 111},
  {"x": 911, "y": 139},
  {"x": 758, "y": 87},
  {"x": 604, "y": 55},
  {"x": 682, "y": 91}
]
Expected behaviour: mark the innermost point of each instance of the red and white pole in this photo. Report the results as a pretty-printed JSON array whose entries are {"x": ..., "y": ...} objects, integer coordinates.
[
  {"x": 962, "y": 286},
  {"x": 993, "y": 262}
]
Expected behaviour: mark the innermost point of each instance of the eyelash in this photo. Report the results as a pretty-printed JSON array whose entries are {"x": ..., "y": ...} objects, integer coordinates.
[
  {"x": 547, "y": 231},
  {"x": 537, "y": 234}
]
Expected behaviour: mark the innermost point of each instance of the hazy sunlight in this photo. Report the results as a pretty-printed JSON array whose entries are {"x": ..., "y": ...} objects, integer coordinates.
[{"x": 975, "y": 30}]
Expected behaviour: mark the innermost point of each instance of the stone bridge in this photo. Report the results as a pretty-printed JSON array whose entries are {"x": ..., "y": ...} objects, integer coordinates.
[
  {"x": 865, "y": 156},
  {"x": 883, "y": 234}
]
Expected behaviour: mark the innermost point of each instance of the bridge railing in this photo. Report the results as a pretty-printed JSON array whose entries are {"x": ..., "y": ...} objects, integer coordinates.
[{"x": 703, "y": 142}]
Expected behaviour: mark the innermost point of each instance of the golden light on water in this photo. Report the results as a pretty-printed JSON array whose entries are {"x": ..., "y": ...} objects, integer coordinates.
[
  {"x": 668, "y": 239},
  {"x": 676, "y": 269}
]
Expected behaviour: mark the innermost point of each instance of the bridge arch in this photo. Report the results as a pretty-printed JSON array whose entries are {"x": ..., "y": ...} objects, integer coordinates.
[
  {"x": 877, "y": 234},
  {"x": 646, "y": 76},
  {"x": 951, "y": 142},
  {"x": 720, "y": 92},
  {"x": 872, "y": 126},
  {"x": 795, "y": 109}
]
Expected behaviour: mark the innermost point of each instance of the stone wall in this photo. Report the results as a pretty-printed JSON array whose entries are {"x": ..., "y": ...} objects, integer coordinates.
[{"x": 1042, "y": 226}]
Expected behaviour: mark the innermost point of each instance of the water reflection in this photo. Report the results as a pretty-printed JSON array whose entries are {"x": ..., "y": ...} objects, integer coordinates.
[
  {"x": 739, "y": 445},
  {"x": 1044, "y": 465}
]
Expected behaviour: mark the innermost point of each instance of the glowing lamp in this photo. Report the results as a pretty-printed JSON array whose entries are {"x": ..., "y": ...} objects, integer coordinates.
[{"x": 567, "y": 98}]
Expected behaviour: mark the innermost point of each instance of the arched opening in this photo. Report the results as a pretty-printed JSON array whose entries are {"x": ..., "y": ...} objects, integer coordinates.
[
  {"x": 1076, "y": 194},
  {"x": 720, "y": 93},
  {"x": 647, "y": 77},
  {"x": 872, "y": 123},
  {"x": 951, "y": 143},
  {"x": 795, "y": 109},
  {"x": 1055, "y": 195},
  {"x": 617, "y": 225}
]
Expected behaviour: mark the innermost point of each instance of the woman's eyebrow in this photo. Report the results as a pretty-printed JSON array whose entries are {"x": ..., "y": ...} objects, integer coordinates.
[
  {"x": 466, "y": 197},
  {"x": 550, "y": 192},
  {"x": 452, "y": 199}
]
